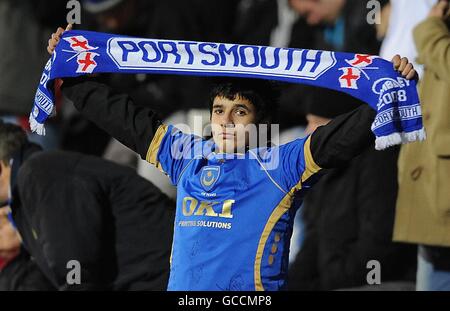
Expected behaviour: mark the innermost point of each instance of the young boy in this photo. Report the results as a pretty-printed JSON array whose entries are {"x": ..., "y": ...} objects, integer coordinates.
[{"x": 234, "y": 209}]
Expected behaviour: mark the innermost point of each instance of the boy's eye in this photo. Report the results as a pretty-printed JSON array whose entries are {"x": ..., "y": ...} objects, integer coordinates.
[
  {"x": 217, "y": 111},
  {"x": 241, "y": 112}
]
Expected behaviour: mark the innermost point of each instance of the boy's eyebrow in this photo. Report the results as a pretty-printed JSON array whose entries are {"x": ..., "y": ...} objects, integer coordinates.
[
  {"x": 234, "y": 106},
  {"x": 242, "y": 106}
]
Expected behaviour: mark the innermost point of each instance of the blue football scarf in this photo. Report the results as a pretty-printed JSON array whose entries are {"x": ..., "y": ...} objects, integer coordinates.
[{"x": 368, "y": 78}]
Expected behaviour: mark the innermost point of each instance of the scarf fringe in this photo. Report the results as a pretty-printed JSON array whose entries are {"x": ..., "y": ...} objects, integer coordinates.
[
  {"x": 36, "y": 127},
  {"x": 393, "y": 139}
]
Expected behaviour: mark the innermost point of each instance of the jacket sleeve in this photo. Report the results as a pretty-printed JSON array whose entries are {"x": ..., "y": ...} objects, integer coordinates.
[
  {"x": 345, "y": 137},
  {"x": 432, "y": 38},
  {"x": 40, "y": 219},
  {"x": 117, "y": 114}
]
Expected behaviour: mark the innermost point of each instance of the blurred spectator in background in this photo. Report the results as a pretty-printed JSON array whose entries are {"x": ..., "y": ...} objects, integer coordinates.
[
  {"x": 26, "y": 25},
  {"x": 404, "y": 16},
  {"x": 348, "y": 219},
  {"x": 21, "y": 70},
  {"x": 348, "y": 216},
  {"x": 17, "y": 270},
  {"x": 423, "y": 205},
  {"x": 340, "y": 25},
  {"x": 69, "y": 206}
]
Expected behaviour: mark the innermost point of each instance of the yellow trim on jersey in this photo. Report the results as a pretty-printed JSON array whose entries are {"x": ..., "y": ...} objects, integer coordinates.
[
  {"x": 311, "y": 168},
  {"x": 152, "y": 152},
  {"x": 277, "y": 213}
]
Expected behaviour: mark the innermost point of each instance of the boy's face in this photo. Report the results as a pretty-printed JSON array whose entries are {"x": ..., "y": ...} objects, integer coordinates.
[{"x": 230, "y": 120}]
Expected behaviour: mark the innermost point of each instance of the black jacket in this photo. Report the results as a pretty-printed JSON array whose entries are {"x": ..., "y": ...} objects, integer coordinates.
[
  {"x": 348, "y": 219},
  {"x": 117, "y": 225},
  {"x": 22, "y": 274}
]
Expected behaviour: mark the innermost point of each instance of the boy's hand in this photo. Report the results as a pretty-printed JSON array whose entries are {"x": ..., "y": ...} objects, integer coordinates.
[
  {"x": 56, "y": 36},
  {"x": 403, "y": 66}
]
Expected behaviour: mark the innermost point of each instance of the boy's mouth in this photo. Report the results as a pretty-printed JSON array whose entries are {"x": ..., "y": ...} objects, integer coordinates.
[{"x": 227, "y": 135}]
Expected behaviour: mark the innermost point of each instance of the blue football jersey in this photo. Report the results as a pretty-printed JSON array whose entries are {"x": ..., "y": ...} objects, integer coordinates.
[{"x": 235, "y": 213}]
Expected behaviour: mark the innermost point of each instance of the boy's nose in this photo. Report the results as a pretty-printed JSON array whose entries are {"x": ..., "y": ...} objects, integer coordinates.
[
  {"x": 227, "y": 120},
  {"x": 228, "y": 125}
]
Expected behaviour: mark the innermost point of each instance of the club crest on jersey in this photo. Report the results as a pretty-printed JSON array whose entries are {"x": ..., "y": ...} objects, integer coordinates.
[
  {"x": 83, "y": 52},
  {"x": 352, "y": 74},
  {"x": 209, "y": 177}
]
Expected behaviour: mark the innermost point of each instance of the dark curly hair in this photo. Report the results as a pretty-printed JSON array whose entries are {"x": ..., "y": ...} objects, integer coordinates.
[{"x": 263, "y": 94}]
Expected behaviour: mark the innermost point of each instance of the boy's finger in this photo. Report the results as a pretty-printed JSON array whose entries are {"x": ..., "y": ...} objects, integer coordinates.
[
  {"x": 407, "y": 69},
  {"x": 411, "y": 75},
  {"x": 396, "y": 61},
  {"x": 69, "y": 27},
  {"x": 403, "y": 64}
]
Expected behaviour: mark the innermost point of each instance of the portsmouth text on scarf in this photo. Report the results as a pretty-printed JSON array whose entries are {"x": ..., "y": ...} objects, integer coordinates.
[{"x": 368, "y": 78}]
